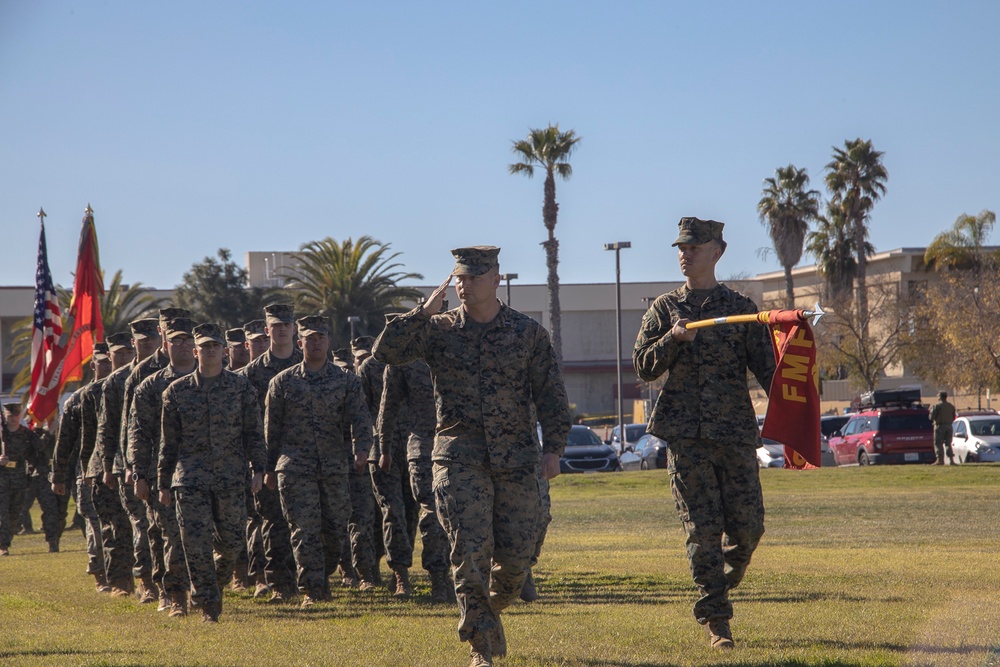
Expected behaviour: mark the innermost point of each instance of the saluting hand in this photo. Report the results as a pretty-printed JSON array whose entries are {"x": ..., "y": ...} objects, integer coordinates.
[{"x": 434, "y": 302}]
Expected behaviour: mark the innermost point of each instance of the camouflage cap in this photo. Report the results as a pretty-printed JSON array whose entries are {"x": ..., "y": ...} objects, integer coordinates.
[
  {"x": 362, "y": 345},
  {"x": 145, "y": 328},
  {"x": 167, "y": 314},
  {"x": 255, "y": 329},
  {"x": 237, "y": 336},
  {"x": 695, "y": 232},
  {"x": 475, "y": 260},
  {"x": 208, "y": 332},
  {"x": 279, "y": 312},
  {"x": 100, "y": 351},
  {"x": 179, "y": 326},
  {"x": 342, "y": 357},
  {"x": 313, "y": 324},
  {"x": 12, "y": 407},
  {"x": 117, "y": 341}
]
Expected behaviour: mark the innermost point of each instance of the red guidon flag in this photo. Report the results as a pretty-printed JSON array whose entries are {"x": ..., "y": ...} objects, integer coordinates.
[
  {"x": 83, "y": 327},
  {"x": 793, "y": 401}
]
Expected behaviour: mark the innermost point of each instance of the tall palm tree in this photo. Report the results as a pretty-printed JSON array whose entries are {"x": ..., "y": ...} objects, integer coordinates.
[
  {"x": 856, "y": 177},
  {"x": 350, "y": 280},
  {"x": 119, "y": 306},
  {"x": 963, "y": 246},
  {"x": 548, "y": 149},
  {"x": 833, "y": 247},
  {"x": 786, "y": 208}
]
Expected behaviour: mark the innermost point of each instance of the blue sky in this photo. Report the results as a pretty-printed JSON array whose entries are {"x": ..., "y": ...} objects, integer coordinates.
[{"x": 190, "y": 126}]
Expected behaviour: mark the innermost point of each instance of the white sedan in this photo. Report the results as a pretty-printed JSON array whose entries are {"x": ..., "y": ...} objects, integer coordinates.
[{"x": 976, "y": 438}]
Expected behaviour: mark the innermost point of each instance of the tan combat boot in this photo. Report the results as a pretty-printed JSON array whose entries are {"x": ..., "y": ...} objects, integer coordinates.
[
  {"x": 146, "y": 590},
  {"x": 440, "y": 586},
  {"x": 719, "y": 633},
  {"x": 402, "y": 587}
]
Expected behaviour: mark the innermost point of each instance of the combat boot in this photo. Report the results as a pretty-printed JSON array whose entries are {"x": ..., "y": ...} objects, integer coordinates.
[
  {"x": 402, "y": 588},
  {"x": 121, "y": 588},
  {"x": 178, "y": 605},
  {"x": 440, "y": 585},
  {"x": 498, "y": 640},
  {"x": 4, "y": 552},
  {"x": 210, "y": 612},
  {"x": 146, "y": 590},
  {"x": 164, "y": 603},
  {"x": 482, "y": 656},
  {"x": 101, "y": 583},
  {"x": 528, "y": 591},
  {"x": 719, "y": 633},
  {"x": 261, "y": 590},
  {"x": 54, "y": 547}
]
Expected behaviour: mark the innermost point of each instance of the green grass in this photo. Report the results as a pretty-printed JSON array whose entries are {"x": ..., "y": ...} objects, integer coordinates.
[{"x": 859, "y": 566}]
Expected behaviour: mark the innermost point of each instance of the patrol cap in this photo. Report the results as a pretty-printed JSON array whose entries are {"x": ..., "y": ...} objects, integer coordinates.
[
  {"x": 236, "y": 336},
  {"x": 696, "y": 232},
  {"x": 204, "y": 333},
  {"x": 179, "y": 326},
  {"x": 167, "y": 314},
  {"x": 100, "y": 351},
  {"x": 313, "y": 324},
  {"x": 255, "y": 329},
  {"x": 145, "y": 328},
  {"x": 362, "y": 345},
  {"x": 119, "y": 340},
  {"x": 279, "y": 312},
  {"x": 12, "y": 407},
  {"x": 342, "y": 357},
  {"x": 475, "y": 260}
]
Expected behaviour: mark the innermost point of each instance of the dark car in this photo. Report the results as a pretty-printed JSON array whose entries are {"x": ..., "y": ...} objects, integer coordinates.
[
  {"x": 585, "y": 452},
  {"x": 652, "y": 451}
]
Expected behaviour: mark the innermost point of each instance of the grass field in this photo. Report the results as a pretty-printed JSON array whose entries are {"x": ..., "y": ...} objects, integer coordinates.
[{"x": 859, "y": 566}]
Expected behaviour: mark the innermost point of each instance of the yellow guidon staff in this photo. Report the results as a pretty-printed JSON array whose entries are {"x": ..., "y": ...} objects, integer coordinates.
[{"x": 764, "y": 317}]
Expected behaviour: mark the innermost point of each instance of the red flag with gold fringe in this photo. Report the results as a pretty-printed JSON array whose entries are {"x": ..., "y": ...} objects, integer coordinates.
[{"x": 793, "y": 400}]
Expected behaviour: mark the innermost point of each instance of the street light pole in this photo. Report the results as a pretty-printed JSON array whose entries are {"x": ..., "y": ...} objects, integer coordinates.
[
  {"x": 508, "y": 277},
  {"x": 617, "y": 247},
  {"x": 352, "y": 320}
]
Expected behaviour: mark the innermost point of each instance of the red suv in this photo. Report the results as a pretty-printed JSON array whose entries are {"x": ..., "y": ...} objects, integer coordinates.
[{"x": 891, "y": 427}]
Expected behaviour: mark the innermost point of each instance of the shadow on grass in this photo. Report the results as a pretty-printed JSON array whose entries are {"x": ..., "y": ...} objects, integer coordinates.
[{"x": 45, "y": 653}]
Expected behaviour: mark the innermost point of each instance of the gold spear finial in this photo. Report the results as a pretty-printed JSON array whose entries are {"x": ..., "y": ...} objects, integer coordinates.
[
  {"x": 89, "y": 210},
  {"x": 41, "y": 214}
]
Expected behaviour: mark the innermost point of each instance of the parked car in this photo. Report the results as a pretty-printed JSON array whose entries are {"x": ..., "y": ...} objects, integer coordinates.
[
  {"x": 828, "y": 426},
  {"x": 632, "y": 434},
  {"x": 585, "y": 452},
  {"x": 976, "y": 438},
  {"x": 892, "y": 427},
  {"x": 771, "y": 454},
  {"x": 652, "y": 452}
]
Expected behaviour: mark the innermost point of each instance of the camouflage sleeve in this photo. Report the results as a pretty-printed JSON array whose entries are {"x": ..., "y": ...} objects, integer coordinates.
[
  {"x": 253, "y": 430},
  {"x": 274, "y": 423},
  {"x": 655, "y": 349},
  {"x": 393, "y": 393},
  {"x": 760, "y": 353},
  {"x": 89, "y": 413},
  {"x": 141, "y": 421},
  {"x": 356, "y": 410},
  {"x": 549, "y": 394},
  {"x": 170, "y": 440},
  {"x": 127, "y": 406},
  {"x": 35, "y": 453},
  {"x": 68, "y": 439},
  {"x": 108, "y": 427},
  {"x": 403, "y": 338}
]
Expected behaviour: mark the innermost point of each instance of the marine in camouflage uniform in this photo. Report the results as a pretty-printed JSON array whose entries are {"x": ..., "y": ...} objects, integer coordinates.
[
  {"x": 387, "y": 482},
  {"x": 313, "y": 412},
  {"x": 705, "y": 415},
  {"x": 68, "y": 465},
  {"x": 211, "y": 430},
  {"x": 20, "y": 449},
  {"x": 408, "y": 398},
  {"x": 494, "y": 369},
  {"x": 39, "y": 487},
  {"x": 239, "y": 355},
  {"x": 159, "y": 360},
  {"x": 170, "y": 570},
  {"x": 257, "y": 343},
  {"x": 942, "y": 414},
  {"x": 274, "y": 535}
]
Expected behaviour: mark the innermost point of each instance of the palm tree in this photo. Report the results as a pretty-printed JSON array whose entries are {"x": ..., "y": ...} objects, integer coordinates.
[
  {"x": 786, "y": 209},
  {"x": 549, "y": 149},
  {"x": 962, "y": 247},
  {"x": 833, "y": 248},
  {"x": 350, "y": 280},
  {"x": 120, "y": 304},
  {"x": 856, "y": 177}
]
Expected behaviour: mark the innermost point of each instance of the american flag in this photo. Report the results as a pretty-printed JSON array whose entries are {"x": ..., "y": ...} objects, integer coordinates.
[{"x": 47, "y": 318}]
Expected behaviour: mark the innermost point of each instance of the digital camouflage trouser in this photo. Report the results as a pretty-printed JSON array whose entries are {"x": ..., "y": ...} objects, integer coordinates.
[
  {"x": 716, "y": 489},
  {"x": 116, "y": 534},
  {"x": 205, "y": 517},
  {"x": 13, "y": 483},
  {"x": 136, "y": 511},
  {"x": 317, "y": 510},
  {"x": 434, "y": 557},
  {"x": 91, "y": 527},
  {"x": 388, "y": 490},
  {"x": 491, "y": 517},
  {"x": 942, "y": 443},
  {"x": 363, "y": 520},
  {"x": 273, "y": 535},
  {"x": 169, "y": 565}
]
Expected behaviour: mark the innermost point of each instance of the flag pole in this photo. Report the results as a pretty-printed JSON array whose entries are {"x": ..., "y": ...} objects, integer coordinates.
[{"x": 763, "y": 317}]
